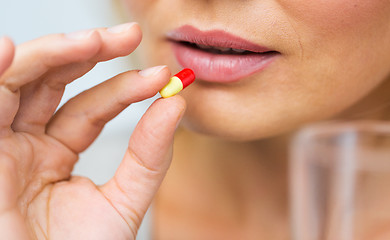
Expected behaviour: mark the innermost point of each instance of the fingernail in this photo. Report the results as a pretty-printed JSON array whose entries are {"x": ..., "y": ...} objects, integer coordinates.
[
  {"x": 151, "y": 71},
  {"x": 79, "y": 34},
  {"x": 121, "y": 28}
]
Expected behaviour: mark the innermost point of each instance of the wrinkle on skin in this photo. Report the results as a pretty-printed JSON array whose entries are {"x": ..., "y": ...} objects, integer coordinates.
[
  {"x": 48, "y": 219},
  {"x": 113, "y": 206},
  {"x": 297, "y": 34}
]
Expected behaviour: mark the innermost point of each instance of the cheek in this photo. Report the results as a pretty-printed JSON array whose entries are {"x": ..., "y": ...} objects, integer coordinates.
[
  {"x": 334, "y": 35},
  {"x": 343, "y": 25},
  {"x": 335, "y": 15},
  {"x": 345, "y": 44},
  {"x": 137, "y": 7}
]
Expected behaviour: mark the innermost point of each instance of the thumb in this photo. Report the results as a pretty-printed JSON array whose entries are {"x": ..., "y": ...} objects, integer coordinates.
[{"x": 146, "y": 161}]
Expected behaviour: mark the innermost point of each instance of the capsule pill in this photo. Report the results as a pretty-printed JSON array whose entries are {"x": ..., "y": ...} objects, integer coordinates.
[{"x": 178, "y": 82}]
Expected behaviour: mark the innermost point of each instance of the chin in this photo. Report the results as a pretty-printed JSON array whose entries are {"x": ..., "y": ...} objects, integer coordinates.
[
  {"x": 239, "y": 132},
  {"x": 241, "y": 125}
]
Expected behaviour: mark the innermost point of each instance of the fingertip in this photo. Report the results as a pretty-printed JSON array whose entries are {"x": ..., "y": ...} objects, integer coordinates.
[
  {"x": 118, "y": 41},
  {"x": 121, "y": 28},
  {"x": 178, "y": 106},
  {"x": 7, "y": 45},
  {"x": 170, "y": 109},
  {"x": 6, "y": 40},
  {"x": 139, "y": 33},
  {"x": 177, "y": 102},
  {"x": 165, "y": 112},
  {"x": 132, "y": 28},
  {"x": 168, "y": 72},
  {"x": 127, "y": 38},
  {"x": 181, "y": 103},
  {"x": 7, "y": 52},
  {"x": 154, "y": 71},
  {"x": 148, "y": 81},
  {"x": 161, "y": 75}
]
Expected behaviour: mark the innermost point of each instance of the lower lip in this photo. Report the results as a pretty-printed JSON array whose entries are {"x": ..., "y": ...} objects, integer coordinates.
[{"x": 221, "y": 68}]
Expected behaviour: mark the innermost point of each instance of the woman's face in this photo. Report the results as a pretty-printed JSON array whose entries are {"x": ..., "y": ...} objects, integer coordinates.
[{"x": 304, "y": 60}]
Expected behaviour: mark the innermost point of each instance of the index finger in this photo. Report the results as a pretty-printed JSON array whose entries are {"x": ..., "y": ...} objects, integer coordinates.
[{"x": 80, "y": 120}]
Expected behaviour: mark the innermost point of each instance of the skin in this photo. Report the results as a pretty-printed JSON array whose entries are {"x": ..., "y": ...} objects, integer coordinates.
[
  {"x": 334, "y": 55},
  {"x": 39, "y": 198},
  {"x": 334, "y": 65},
  {"x": 325, "y": 49}
]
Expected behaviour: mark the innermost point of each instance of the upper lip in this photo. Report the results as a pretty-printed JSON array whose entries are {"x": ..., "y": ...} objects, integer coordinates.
[{"x": 214, "y": 38}]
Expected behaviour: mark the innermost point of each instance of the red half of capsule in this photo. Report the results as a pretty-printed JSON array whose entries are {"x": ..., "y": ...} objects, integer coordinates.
[{"x": 187, "y": 76}]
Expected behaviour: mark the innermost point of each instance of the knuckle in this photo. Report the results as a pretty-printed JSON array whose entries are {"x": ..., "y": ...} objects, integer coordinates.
[{"x": 143, "y": 164}]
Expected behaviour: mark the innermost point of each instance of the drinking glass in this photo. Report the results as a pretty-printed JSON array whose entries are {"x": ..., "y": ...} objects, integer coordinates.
[{"x": 340, "y": 182}]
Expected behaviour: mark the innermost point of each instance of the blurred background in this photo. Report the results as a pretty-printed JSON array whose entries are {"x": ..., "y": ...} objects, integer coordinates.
[{"x": 24, "y": 20}]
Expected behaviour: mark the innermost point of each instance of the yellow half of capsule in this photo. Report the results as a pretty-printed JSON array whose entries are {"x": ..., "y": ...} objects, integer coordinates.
[{"x": 172, "y": 88}]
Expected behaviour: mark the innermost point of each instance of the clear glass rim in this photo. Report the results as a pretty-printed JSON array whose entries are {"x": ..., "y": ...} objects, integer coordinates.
[
  {"x": 349, "y": 133},
  {"x": 343, "y": 127}
]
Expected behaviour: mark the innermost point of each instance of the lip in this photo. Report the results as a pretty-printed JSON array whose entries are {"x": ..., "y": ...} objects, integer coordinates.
[{"x": 214, "y": 67}]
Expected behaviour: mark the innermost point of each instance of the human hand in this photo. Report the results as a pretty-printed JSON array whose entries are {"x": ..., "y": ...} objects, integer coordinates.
[{"x": 39, "y": 199}]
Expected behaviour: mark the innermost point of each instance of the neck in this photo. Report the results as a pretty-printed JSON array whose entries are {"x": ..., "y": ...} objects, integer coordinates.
[
  {"x": 242, "y": 183},
  {"x": 238, "y": 188},
  {"x": 374, "y": 106}
]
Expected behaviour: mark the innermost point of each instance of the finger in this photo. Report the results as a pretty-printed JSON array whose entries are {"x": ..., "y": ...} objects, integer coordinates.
[
  {"x": 12, "y": 225},
  {"x": 146, "y": 161},
  {"x": 35, "y": 58},
  {"x": 117, "y": 41},
  {"x": 8, "y": 100},
  {"x": 7, "y": 50},
  {"x": 20, "y": 72},
  {"x": 114, "y": 43},
  {"x": 80, "y": 120}
]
